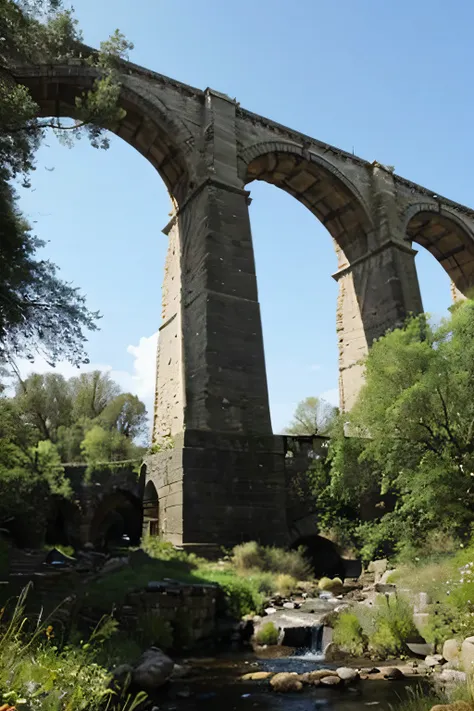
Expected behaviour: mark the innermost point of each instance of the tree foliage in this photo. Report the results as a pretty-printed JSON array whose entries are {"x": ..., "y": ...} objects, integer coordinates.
[
  {"x": 38, "y": 311},
  {"x": 412, "y": 432},
  {"x": 313, "y": 416}
]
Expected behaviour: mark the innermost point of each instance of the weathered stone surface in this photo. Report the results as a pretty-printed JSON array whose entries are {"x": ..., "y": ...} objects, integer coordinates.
[
  {"x": 452, "y": 650},
  {"x": 256, "y": 676},
  {"x": 347, "y": 674},
  {"x": 331, "y": 681},
  {"x": 453, "y": 675},
  {"x": 286, "y": 681},
  {"x": 467, "y": 655},
  {"x": 153, "y": 670},
  {"x": 433, "y": 660}
]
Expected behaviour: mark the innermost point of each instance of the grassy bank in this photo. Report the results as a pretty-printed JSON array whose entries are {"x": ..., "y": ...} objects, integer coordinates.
[
  {"x": 39, "y": 669},
  {"x": 247, "y": 577}
]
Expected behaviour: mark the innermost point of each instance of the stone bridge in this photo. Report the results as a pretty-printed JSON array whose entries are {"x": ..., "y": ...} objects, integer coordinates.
[
  {"x": 105, "y": 505},
  {"x": 220, "y": 473}
]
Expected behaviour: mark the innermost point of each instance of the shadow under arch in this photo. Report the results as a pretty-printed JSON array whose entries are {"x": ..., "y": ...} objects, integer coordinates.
[
  {"x": 148, "y": 126},
  {"x": 151, "y": 511},
  {"x": 319, "y": 186},
  {"x": 447, "y": 238},
  {"x": 118, "y": 514}
]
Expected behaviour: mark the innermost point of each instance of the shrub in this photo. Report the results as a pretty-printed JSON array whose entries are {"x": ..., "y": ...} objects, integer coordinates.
[
  {"x": 329, "y": 585},
  {"x": 285, "y": 584},
  {"x": 267, "y": 634},
  {"x": 242, "y": 595},
  {"x": 252, "y": 556},
  {"x": 349, "y": 635},
  {"x": 249, "y": 556},
  {"x": 265, "y": 582},
  {"x": 394, "y": 625}
]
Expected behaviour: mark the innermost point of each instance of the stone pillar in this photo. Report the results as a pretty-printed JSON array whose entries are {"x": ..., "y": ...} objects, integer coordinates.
[
  {"x": 456, "y": 295},
  {"x": 376, "y": 293},
  {"x": 220, "y": 477}
]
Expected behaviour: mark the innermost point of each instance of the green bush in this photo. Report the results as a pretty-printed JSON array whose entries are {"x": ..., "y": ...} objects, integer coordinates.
[
  {"x": 242, "y": 595},
  {"x": 264, "y": 582},
  {"x": 349, "y": 635},
  {"x": 330, "y": 585},
  {"x": 267, "y": 634},
  {"x": 249, "y": 556},
  {"x": 393, "y": 625},
  {"x": 252, "y": 556},
  {"x": 285, "y": 584}
]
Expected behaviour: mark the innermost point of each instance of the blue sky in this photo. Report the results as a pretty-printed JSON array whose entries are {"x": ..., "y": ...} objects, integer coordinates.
[{"x": 390, "y": 80}]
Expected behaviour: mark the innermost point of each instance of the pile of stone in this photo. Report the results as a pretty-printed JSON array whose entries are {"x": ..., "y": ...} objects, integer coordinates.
[{"x": 284, "y": 682}]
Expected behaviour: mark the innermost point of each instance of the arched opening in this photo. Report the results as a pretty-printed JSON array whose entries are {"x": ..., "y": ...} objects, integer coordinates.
[
  {"x": 147, "y": 125},
  {"x": 323, "y": 555},
  {"x": 448, "y": 239},
  {"x": 63, "y": 526},
  {"x": 151, "y": 511},
  {"x": 117, "y": 521},
  {"x": 317, "y": 339}
]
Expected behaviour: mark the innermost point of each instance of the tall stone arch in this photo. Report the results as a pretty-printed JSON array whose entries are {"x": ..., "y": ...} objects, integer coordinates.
[
  {"x": 448, "y": 238},
  {"x": 149, "y": 125},
  {"x": 378, "y": 286}
]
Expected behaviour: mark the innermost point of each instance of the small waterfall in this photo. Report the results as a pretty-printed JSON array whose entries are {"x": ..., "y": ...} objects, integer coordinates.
[{"x": 314, "y": 652}]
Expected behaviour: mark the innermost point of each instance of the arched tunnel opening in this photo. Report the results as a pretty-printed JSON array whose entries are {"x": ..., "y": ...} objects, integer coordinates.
[
  {"x": 117, "y": 521},
  {"x": 63, "y": 524},
  {"x": 323, "y": 555}
]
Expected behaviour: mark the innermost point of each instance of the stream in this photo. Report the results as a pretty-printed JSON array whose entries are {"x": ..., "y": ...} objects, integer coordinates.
[{"x": 216, "y": 685}]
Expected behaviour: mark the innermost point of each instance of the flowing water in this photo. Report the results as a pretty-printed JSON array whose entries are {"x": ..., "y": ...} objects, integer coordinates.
[{"x": 216, "y": 685}]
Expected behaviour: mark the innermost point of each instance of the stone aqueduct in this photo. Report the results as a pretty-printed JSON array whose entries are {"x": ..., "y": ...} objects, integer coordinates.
[{"x": 220, "y": 473}]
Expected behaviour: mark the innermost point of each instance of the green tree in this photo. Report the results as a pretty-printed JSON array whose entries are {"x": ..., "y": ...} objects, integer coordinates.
[
  {"x": 313, "y": 416},
  {"x": 46, "y": 403},
  {"x": 126, "y": 413},
  {"x": 91, "y": 393},
  {"x": 413, "y": 427},
  {"x": 38, "y": 311},
  {"x": 100, "y": 446}
]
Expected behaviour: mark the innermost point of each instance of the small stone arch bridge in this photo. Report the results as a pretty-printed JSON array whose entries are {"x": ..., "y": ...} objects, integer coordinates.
[{"x": 220, "y": 474}]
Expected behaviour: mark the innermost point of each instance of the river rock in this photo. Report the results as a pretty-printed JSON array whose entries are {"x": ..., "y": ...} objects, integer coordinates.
[
  {"x": 378, "y": 568},
  {"x": 286, "y": 681},
  {"x": 256, "y": 676},
  {"x": 318, "y": 674},
  {"x": 467, "y": 654},
  {"x": 451, "y": 650},
  {"x": 289, "y": 605},
  {"x": 331, "y": 681},
  {"x": 270, "y": 610},
  {"x": 333, "y": 653},
  {"x": 394, "y": 674},
  {"x": 433, "y": 660},
  {"x": 347, "y": 674},
  {"x": 453, "y": 675},
  {"x": 153, "y": 670}
]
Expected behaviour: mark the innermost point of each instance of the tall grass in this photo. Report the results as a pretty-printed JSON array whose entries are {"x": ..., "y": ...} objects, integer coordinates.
[
  {"x": 252, "y": 556},
  {"x": 40, "y": 671}
]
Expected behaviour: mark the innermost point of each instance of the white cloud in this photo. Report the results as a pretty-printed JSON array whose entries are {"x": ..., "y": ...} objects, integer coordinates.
[{"x": 139, "y": 380}]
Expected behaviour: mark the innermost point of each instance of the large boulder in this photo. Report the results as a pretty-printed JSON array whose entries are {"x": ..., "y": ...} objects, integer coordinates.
[
  {"x": 347, "y": 674},
  {"x": 467, "y": 655},
  {"x": 378, "y": 568},
  {"x": 452, "y": 650},
  {"x": 153, "y": 670}
]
